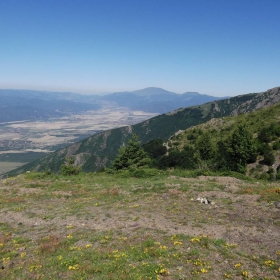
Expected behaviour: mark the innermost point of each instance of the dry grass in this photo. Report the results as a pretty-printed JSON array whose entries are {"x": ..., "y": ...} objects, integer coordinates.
[{"x": 99, "y": 226}]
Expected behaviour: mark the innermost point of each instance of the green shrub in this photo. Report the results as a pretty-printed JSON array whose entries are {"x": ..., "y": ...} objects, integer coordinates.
[
  {"x": 69, "y": 168},
  {"x": 269, "y": 159},
  {"x": 276, "y": 145}
]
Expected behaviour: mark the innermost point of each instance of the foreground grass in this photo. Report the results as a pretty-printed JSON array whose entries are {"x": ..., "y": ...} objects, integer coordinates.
[{"x": 100, "y": 226}]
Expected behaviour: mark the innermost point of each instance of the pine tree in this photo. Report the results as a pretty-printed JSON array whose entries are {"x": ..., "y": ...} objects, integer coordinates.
[
  {"x": 69, "y": 167},
  {"x": 205, "y": 146},
  {"x": 241, "y": 148},
  {"x": 133, "y": 155}
]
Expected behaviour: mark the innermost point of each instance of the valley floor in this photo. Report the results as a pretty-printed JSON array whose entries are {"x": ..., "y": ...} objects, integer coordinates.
[
  {"x": 24, "y": 141},
  {"x": 100, "y": 226}
]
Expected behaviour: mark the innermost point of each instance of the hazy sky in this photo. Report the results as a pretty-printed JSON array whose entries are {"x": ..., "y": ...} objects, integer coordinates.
[{"x": 216, "y": 47}]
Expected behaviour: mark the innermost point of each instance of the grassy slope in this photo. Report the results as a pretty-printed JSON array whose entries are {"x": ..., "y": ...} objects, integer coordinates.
[
  {"x": 223, "y": 127},
  {"x": 100, "y": 226}
]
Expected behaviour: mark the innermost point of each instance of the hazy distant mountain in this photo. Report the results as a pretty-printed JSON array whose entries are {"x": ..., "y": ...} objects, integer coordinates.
[
  {"x": 18, "y": 105},
  {"x": 157, "y": 100}
]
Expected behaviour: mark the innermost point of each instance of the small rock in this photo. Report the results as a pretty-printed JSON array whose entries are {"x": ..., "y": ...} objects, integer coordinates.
[
  {"x": 205, "y": 201},
  {"x": 277, "y": 204},
  {"x": 11, "y": 265},
  {"x": 21, "y": 249}
]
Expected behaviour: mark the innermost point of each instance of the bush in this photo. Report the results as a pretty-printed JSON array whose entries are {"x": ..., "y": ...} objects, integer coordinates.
[
  {"x": 38, "y": 175},
  {"x": 276, "y": 145},
  {"x": 135, "y": 172},
  {"x": 69, "y": 168},
  {"x": 269, "y": 159},
  {"x": 264, "y": 176},
  {"x": 278, "y": 173}
]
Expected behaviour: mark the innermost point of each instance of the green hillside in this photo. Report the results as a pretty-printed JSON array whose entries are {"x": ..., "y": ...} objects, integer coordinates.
[
  {"x": 221, "y": 144},
  {"x": 99, "y": 150}
]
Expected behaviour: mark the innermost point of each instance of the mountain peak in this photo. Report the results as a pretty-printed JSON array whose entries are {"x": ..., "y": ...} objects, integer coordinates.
[{"x": 152, "y": 91}]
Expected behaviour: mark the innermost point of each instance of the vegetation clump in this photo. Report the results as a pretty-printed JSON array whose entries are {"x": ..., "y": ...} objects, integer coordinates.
[
  {"x": 131, "y": 156},
  {"x": 241, "y": 148},
  {"x": 69, "y": 167}
]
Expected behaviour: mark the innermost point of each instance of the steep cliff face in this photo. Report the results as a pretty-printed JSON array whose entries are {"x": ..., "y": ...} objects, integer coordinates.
[
  {"x": 100, "y": 149},
  {"x": 261, "y": 100}
]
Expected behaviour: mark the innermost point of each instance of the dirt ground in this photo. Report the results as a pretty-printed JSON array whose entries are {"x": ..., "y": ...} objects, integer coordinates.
[{"x": 238, "y": 218}]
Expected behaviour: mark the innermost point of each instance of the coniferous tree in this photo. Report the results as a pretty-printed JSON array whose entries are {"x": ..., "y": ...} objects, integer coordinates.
[
  {"x": 241, "y": 148},
  {"x": 133, "y": 155},
  {"x": 205, "y": 146},
  {"x": 69, "y": 167}
]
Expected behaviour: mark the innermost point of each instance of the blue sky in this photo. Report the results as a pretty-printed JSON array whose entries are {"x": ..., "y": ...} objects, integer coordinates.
[{"x": 216, "y": 47}]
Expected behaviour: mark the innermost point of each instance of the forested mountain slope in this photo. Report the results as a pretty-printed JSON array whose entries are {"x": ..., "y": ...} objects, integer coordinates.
[
  {"x": 247, "y": 143},
  {"x": 100, "y": 149}
]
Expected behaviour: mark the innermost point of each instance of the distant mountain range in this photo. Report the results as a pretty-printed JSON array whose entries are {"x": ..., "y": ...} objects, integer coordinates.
[
  {"x": 99, "y": 150},
  {"x": 17, "y": 105},
  {"x": 158, "y": 100}
]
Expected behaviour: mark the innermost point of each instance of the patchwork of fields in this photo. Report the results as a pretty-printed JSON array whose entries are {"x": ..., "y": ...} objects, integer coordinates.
[{"x": 23, "y": 141}]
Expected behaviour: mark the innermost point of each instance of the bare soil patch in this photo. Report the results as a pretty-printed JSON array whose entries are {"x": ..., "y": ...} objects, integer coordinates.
[{"x": 159, "y": 210}]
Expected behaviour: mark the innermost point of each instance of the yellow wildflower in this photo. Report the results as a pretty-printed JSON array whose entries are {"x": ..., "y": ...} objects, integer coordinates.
[
  {"x": 73, "y": 267},
  {"x": 6, "y": 260},
  {"x": 69, "y": 236},
  {"x": 195, "y": 239},
  {"x": 269, "y": 263}
]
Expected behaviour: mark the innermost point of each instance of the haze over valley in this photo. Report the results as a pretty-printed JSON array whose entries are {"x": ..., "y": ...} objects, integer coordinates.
[
  {"x": 34, "y": 123},
  {"x": 23, "y": 141}
]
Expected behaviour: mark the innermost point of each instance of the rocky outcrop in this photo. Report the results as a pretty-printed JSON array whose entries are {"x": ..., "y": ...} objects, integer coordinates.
[{"x": 262, "y": 100}]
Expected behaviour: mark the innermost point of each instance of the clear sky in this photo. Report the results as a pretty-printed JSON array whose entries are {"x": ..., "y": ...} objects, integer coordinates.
[{"x": 216, "y": 47}]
